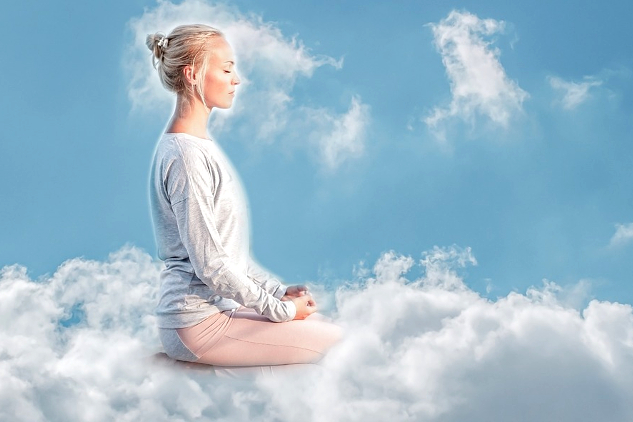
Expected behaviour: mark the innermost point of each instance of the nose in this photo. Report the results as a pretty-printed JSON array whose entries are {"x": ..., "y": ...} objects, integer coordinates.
[{"x": 236, "y": 79}]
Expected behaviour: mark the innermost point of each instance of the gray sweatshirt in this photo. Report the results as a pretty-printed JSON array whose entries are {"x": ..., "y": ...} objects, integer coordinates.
[{"x": 201, "y": 223}]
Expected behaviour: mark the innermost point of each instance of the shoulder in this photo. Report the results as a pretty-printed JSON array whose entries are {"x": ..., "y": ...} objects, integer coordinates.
[
  {"x": 182, "y": 146},
  {"x": 187, "y": 166},
  {"x": 194, "y": 154}
]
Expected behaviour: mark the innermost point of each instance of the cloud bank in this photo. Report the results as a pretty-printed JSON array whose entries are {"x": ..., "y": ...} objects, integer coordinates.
[
  {"x": 75, "y": 346},
  {"x": 479, "y": 84},
  {"x": 269, "y": 64}
]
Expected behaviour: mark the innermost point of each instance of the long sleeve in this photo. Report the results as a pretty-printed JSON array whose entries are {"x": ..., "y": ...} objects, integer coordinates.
[
  {"x": 210, "y": 214},
  {"x": 265, "y": 280},
  {"x": 212, "y": 265}
]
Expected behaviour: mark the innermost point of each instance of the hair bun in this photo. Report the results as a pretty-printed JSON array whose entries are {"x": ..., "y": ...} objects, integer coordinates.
[
  {"x": 156, "y": 44},
  {"x": 185, "y": 45}
]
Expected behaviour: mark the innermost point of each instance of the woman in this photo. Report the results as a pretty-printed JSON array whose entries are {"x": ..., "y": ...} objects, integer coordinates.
[{"x": 216, "y": 305}]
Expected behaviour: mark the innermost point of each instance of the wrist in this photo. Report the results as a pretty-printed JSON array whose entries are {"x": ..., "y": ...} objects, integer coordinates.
[
  {"x": 280, "y": 292},
  {"x": 292, "y": 310}
]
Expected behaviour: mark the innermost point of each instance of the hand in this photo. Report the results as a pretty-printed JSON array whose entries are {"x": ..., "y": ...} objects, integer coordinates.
[
  {"x": 295, "y": 291},
  {"x": 305, "y": 306}
]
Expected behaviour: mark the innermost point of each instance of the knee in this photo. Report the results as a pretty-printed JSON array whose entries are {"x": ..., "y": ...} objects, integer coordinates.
[
  {"x": 330, "y": 335},
  {"x": 336, "y": 334}
]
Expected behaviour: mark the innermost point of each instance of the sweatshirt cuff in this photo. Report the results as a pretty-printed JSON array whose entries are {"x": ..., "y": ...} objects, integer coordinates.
[
  {"x": 280, "y": 291},
  {"x": 292, "y": 310}
]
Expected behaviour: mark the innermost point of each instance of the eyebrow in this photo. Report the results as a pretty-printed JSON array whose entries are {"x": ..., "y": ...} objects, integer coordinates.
[{"x": 230, "y": 62}]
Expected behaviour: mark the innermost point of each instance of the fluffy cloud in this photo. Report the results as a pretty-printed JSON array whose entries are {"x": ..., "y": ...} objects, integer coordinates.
[
  {"x": 623, "y": 235},
  {"x": 479, "y": 84},
  {"x": 573, "y": 93},
  {"x": 416, "y": 349},
  {"x": 269, "y": 65}
]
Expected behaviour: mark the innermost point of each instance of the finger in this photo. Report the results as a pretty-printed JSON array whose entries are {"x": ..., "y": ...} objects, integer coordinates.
[
  {"x": 311, "y": 300},
  {"x": 311, "y": 303}
]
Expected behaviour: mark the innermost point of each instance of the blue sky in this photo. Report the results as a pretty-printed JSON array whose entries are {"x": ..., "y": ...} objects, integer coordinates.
[
  {"x": 537, "y": 195},
  {"x": 488, "y": 144}
]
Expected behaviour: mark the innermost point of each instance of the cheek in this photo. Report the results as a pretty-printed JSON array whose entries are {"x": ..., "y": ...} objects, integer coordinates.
[{"x": 217, "y": 83}]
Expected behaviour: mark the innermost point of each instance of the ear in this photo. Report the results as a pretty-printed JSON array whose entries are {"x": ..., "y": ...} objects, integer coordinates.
[{"x": 189, "y": 74}]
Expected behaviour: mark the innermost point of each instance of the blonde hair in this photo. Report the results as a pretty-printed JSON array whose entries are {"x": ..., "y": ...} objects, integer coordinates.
[{"x": 186, "y": 45}]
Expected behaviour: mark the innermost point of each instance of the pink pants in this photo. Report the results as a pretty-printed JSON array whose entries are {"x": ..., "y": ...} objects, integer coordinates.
[{"x": 245, "y": 338}]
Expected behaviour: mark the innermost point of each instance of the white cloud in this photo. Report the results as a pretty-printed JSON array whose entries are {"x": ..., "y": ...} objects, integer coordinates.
[
  {"x": 573, "y": 93},
  {"x": 623, "y": 235},
  {"x": 269, "y": 65},
  {"x": 479, "y": 84},
  {"x": 341, "y": 137},
  {"x": 416, "y": 349},
  {"x": 260, "y": 47}
]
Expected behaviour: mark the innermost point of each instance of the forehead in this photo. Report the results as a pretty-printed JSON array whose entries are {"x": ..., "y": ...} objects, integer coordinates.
[{"x": 221, "y": 52}]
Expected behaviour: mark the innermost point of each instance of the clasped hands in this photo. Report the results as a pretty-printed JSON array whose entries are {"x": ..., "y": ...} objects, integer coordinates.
[{"x": 302, "y": 299}]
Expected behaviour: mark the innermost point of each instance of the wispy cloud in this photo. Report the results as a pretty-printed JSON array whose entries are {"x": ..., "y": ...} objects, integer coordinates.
[
  {"x": 623, "y": 235},
  {"x": 341, "y": 136},
  {"x": 269, "y": 64},
  {"x": 573, "y": 93},
  {"x": 260, "y": 48},
  {"x": 478, "y": 82},
  {"x": 427, "y": 348}
]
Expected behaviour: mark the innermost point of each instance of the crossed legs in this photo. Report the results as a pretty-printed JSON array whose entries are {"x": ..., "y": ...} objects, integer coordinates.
[{"x": 245, "y": 338}]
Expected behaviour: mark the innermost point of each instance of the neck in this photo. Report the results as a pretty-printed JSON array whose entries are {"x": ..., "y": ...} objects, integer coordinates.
[{"x": 189, "y": 117}]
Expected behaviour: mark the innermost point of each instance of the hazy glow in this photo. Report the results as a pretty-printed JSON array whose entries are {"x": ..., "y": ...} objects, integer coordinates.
[{"x": 269, "y": 63}]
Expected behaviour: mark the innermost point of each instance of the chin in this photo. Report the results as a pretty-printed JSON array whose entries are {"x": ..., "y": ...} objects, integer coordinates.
[{"x": 225, "y": 105}]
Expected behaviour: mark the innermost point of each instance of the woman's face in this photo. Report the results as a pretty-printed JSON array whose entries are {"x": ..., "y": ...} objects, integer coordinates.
[{"x": 220, "y": 79}]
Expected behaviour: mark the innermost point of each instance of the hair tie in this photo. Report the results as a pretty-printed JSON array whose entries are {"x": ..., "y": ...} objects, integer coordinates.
[{"x": 162, "y": 43}]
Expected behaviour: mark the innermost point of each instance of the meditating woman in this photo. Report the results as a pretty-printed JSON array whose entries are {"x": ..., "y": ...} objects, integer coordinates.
[{"x": 217, "y": 306}]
